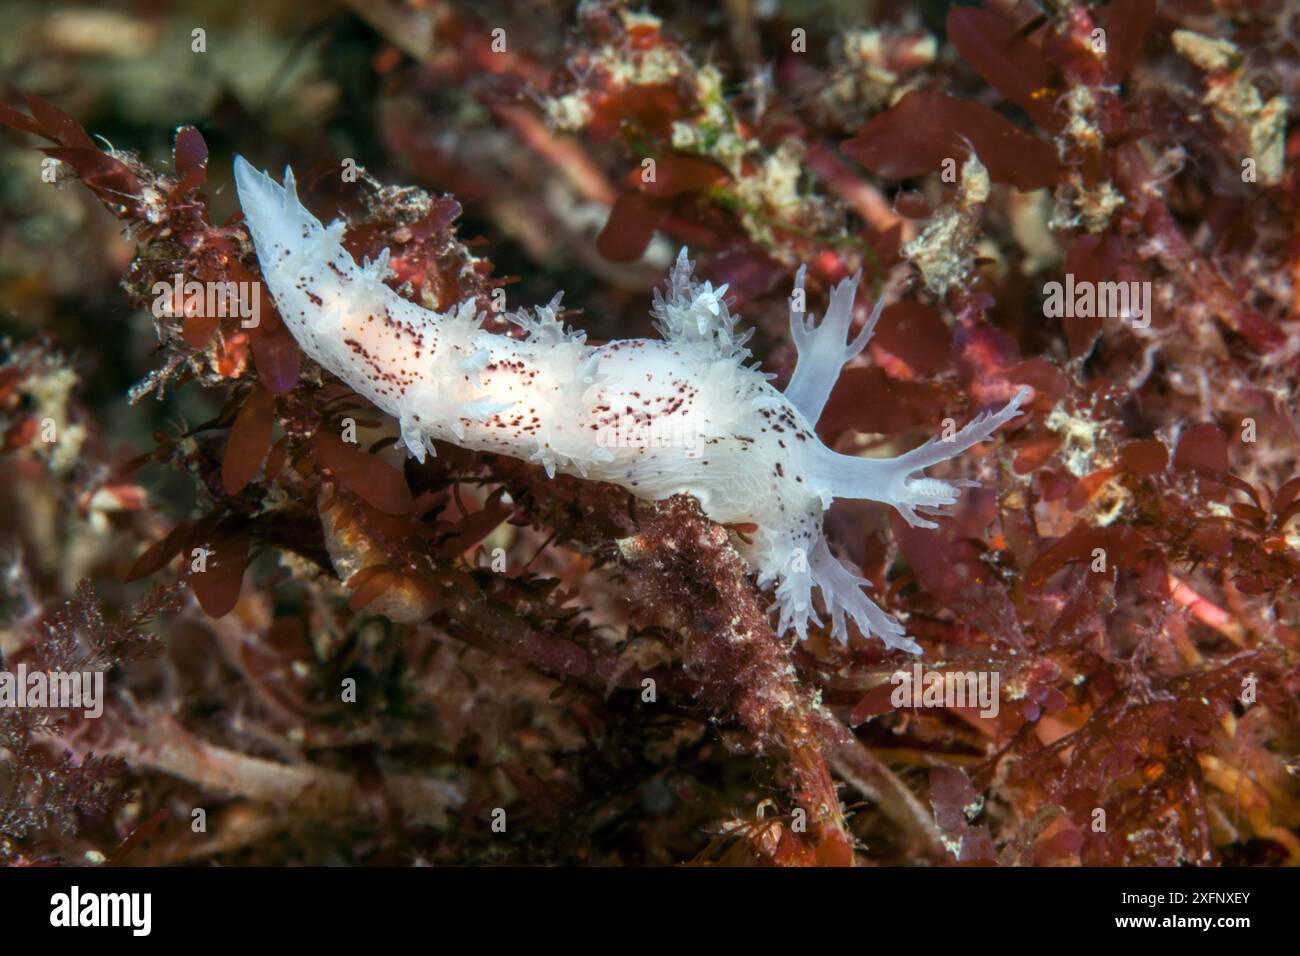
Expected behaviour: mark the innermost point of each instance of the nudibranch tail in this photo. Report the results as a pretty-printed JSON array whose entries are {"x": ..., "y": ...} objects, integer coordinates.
[
  {"x": 348, "y": 320},
  {"x": 273, "y": 213}
]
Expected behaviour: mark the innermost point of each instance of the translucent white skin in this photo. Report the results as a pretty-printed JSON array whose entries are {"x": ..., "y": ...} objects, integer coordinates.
[{"x": 681, "y": 415}]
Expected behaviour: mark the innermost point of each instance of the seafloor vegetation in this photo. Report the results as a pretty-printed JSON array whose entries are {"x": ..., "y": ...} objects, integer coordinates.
[{"x": 463, "y": 661}]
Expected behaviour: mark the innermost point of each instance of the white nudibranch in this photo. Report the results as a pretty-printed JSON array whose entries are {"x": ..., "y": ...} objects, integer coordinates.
[{"x": 680, "y": 415}]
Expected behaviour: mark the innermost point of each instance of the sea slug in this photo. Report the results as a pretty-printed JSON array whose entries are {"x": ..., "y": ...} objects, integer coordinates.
[{"x": 684, "y": 414}]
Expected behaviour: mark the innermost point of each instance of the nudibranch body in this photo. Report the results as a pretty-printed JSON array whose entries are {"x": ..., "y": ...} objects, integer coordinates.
[{"x": 684, "y": 414}]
